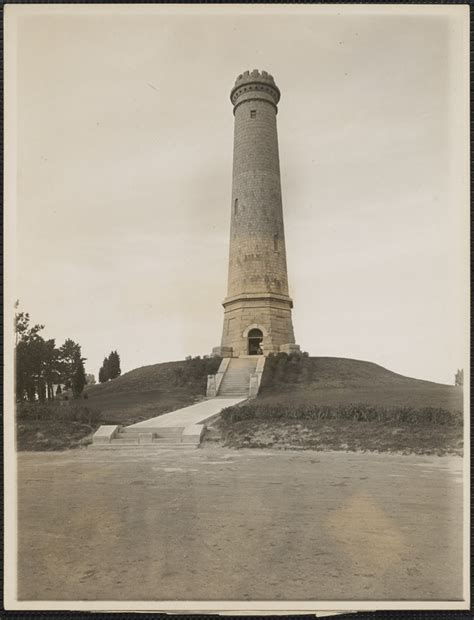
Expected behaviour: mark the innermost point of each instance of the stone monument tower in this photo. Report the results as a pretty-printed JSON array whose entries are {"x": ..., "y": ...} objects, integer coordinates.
[{"x": 257, "y": 309}]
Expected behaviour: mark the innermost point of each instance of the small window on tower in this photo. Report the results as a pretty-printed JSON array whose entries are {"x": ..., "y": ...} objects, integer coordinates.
[
  {"x": 275, "y": 242},
  {"x": 253, "y": 113},
  {"x": 236, "y": 206}
]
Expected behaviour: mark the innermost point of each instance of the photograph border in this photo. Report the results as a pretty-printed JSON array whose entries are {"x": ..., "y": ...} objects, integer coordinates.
[{"x": 12, "y": 606}]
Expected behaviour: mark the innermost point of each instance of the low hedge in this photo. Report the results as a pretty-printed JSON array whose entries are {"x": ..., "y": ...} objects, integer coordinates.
[
  {"x": 67, "y": 411},
  {"x": 355, "y": 412}
]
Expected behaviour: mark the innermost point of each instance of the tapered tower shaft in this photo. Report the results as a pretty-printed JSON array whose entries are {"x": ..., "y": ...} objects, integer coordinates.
[{"x": 257, "y": 309}]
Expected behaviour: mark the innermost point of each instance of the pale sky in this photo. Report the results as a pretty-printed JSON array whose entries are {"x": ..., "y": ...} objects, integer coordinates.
[{"x": 124, "y": 140}]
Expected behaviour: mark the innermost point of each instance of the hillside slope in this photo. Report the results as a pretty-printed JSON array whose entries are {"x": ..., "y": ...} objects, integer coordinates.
[
  {"x": 341, "y": 381},
  {"x": 151, "y": 390},
  {"x": 324, "y": 403}
]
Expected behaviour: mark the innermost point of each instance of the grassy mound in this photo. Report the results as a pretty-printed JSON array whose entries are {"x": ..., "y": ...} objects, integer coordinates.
[
  {"x": 151, "y": 390},
  {"x": 301, "y": 380},
  {"x": 304, "y": 402},
  {"x": 343, "y": 404}
]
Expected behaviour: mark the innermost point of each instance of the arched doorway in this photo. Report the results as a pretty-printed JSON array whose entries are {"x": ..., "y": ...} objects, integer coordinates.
[{"x": 255, "y": 338}]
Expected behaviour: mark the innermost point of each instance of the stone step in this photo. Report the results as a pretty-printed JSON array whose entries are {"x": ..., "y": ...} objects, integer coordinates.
[
  {"x": 233, "y": 374},
  {"x": 125, "y": 440},
  {"x": 247, "y": 383},
  {"x": 236, "y": 380},
  {"x": 154, "y": 432},
  {"x": 235, "y": 385},
  {"x": 162, "y": 430},
  {"x": 167, "y": 439},
  {"x": 238, "y": 383},
  {"x": 231, "y": 382},
  {"x": 247, "y": 362},
  {"x": 147, "y": 436},
  {"x": 178, "y": 444},
  {"x": 114, "y": 445},
  {"x": 236, "y": 377}
]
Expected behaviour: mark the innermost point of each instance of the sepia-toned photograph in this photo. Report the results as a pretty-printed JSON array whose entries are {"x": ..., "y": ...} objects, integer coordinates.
[{"x": 236, "y": 307}]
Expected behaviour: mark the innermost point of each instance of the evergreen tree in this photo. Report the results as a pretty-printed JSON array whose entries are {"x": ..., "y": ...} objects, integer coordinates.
[
  {"x": 51, "y": 366},
  {"x": 78, "y": 377},
  {"x": 114, "y": 365},
  {"x": 29, "y": 358},
  {"x": 104, "y": 372},
  {"x": 68, "y": 353}
]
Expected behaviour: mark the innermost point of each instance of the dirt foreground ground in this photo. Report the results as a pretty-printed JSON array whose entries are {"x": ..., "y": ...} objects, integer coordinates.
[{"x": 217, "y": 524}]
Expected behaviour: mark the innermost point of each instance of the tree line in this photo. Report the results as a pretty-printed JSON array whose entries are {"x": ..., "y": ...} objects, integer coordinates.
[{"x": 41, "y": 365}]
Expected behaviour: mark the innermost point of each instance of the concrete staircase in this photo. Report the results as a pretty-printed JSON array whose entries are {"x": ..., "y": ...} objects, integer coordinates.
[
  {"x": 178, "y": 429},
  {"x": 236, "y": 380},
  {"x": 167, "y": 437}
]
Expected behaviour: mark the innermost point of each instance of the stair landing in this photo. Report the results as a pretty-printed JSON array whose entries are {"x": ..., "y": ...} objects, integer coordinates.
[{"x": 194, "y": 414}]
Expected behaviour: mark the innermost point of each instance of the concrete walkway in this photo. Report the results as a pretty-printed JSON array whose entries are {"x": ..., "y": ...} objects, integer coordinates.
[{"x": 194, "y": 414}]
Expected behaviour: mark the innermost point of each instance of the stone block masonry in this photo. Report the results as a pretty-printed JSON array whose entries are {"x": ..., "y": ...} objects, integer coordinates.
[{"x": 257, "y": 295}]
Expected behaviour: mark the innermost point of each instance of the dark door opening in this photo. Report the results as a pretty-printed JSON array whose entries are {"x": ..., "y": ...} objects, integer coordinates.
[{"x": 255, "y": 338}]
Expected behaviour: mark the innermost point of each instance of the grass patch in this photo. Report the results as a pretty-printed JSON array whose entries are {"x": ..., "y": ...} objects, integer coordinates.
[
  {"x": 55, "y": 426},
  {"x": 325, "y": 403},
  {"x": 49, "y": 435},
  {"x": 344, "y": 435},
  {"x": 425, "y": 430},
  {"x": 298, "y": 379}
]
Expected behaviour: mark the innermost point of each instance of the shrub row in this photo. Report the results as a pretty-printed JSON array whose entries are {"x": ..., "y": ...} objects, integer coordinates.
[
  {"x": 194, "y": 371},
  {"x": 352, "y": 412},
  {"x": 286, "y": 368},
  {"x": 65, "y": 412}
]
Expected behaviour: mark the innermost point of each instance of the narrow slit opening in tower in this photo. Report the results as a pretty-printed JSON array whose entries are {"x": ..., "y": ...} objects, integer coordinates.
[
  {"x": 253, "y": 113},
  {"x": 255, "y": 338}
]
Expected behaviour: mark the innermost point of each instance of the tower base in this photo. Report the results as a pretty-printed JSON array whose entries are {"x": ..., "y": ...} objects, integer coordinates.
[
  {"x": 257, "y": 324},
  {"x": 229, "y": 352}
]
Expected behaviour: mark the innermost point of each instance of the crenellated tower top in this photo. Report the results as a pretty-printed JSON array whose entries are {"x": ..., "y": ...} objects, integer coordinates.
[{"x": 255, "y": 84}]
